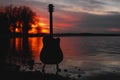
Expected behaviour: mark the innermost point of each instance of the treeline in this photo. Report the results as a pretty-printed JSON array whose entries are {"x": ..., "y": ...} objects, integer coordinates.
[{"x": 12, "y": 17}]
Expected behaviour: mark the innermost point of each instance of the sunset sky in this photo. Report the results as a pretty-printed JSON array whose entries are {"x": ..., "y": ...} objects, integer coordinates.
[{"x": 76, "y": 16}]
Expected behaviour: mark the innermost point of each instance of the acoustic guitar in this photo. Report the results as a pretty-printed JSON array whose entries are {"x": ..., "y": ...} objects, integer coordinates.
[{"x": 51, "y": 52}]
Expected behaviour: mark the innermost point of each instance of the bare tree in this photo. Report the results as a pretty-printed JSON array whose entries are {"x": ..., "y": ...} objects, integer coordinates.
[
  {"x": 26, "y": 17},
  {"x": 16, "y": 16}
]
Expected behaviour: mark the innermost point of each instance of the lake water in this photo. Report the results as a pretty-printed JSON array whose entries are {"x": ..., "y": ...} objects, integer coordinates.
[{"x": 83, "y": 55}]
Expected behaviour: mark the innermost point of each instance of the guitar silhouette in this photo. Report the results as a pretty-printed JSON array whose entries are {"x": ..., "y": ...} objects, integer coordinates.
[{"x": 51, "y": 52}]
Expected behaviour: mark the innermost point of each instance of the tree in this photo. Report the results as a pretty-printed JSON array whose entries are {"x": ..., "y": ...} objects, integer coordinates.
[
  {"x": 26, "y": 17},
  {"x": 16, "y": 16}
]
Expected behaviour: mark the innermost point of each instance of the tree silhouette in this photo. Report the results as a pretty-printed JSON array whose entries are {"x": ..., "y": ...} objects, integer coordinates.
[
  {"x": 26, "y": 17},
  {"x": 4, "y": 23},
  {"x": 12, "y": 17}
]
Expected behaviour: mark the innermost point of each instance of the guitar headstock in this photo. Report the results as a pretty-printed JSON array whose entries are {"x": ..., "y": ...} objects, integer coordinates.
[{"x": 50, "y": 7}]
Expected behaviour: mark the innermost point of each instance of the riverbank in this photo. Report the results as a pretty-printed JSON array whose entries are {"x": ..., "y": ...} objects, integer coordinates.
[
  {"x": 103, "y": 76},
  {"x": 12, "y": 72},
  {"x": 31, "y": 76},
  {"x": 41, "y": 76}
]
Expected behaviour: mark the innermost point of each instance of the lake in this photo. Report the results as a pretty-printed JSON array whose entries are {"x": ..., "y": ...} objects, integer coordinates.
[{"x": 82, "y": 54}]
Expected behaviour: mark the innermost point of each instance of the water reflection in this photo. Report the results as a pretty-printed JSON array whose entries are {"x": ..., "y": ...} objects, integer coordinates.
[
  {"x": 35, "y": 47},
  {"x": 99, "y": 53},
  {"x": 72, "y": 46},
  {"x": 22, "y": 49},
  {"x": 18, "y": 44}
]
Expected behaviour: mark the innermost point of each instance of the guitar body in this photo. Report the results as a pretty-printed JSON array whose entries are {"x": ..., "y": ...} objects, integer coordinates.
[{"x": 51, "y": 52}]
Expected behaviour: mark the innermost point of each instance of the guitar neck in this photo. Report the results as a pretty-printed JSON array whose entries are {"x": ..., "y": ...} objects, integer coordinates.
[
  {"x": 51, "y": 19},
  {"x": 51, "y": 24}
]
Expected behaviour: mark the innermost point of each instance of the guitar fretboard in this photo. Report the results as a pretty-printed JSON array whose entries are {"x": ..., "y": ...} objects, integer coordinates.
[{"x": 51, "y": 18}]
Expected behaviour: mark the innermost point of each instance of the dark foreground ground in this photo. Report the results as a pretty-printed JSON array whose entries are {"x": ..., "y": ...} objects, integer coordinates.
[
  {"x": 9, "y": 72},
  {"x": 41, "y": 76},
  {"x": 30, "y": 76},
  {"x": 103, "y": 76}
]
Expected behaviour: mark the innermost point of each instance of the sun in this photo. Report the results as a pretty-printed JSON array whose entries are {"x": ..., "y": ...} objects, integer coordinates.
[
  {"x": 39, "y": 27},
  {"x": 44, "y": 31},
  {"x": 42, "y": 24}
]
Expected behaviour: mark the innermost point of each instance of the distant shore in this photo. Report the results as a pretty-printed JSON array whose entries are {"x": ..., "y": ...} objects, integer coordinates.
[{"x": 66, "y": 34}]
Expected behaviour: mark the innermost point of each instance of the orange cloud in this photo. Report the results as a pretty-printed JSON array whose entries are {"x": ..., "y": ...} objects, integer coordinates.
[{"x": 39, "y": 26}]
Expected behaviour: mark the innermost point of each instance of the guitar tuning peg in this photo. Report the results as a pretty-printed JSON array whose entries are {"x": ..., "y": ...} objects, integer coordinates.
[{"x": 50, "y": 7}]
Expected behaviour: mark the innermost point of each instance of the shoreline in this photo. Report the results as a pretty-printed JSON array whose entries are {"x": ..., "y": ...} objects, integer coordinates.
[
  {"x": 67, "y": 34},
  {"x": 49, "y": 76},
  {"x": 64, "y": 74}
]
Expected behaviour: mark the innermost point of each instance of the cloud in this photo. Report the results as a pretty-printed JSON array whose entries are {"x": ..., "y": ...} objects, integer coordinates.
[
  {"x": 99, "y": 23},
  {"x": 100, "y": 7},
  {"x": 77, "y": 15}
]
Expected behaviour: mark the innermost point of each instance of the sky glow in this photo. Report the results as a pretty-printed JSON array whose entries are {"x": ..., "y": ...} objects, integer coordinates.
[{"x": 76, "y": 16}]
